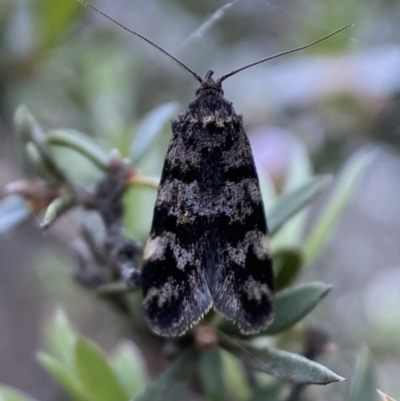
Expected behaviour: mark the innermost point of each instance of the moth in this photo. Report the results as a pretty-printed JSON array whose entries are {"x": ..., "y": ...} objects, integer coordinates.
[{"x": 209, "y": 243}]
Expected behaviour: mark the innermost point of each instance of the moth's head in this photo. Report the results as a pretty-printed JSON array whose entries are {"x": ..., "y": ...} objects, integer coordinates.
[{"x": 209, "y": 86}]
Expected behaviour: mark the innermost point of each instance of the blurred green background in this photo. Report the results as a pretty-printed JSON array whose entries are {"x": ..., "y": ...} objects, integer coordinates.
[{"x": 76, "y": 70}]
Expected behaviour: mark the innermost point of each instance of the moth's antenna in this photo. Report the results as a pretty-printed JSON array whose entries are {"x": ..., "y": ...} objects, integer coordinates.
[
  {"x": 85, "y": 3},
  {"x": 284, "y": 53}
]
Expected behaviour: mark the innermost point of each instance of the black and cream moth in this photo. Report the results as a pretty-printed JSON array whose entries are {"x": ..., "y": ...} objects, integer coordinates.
[{"x": 209, "y": 244}]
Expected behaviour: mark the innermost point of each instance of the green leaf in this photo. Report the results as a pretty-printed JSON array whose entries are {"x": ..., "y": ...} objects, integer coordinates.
[
  {"x": 149, "y": 128},
  {"x": 340, "y": 197},
  {"x": 237, "y": 387},
  {"x": 64, "y": 376},
  {"x": 27, "y": 127},
  {"x": 211, "y": 375},
  {"x": 289, "y": 204},
  {"x": 60, "y": 338},
  {"x": 34, "y": 139},
  {"x": 130, "y": 368},
  {"x": 8, "y": 393},
  {"x": 35, "y": 158},
  {"x": 286, "y": 264},
  {"x": 53, "y": 19},
  {"x": 292, "y": 304},
  {"x": 81, "y": 143},
  {"x": 298, "y": 173},
  {"x": 173, "y": 381},
  {"x": 267, "y": 393},
  {"x": 56, "y": 209},
  {"x": 281, "y": 364},
  {"x": 364, "y": 381},
  {"x": 96, "y": 374},
  {"x": 13, "y": 211}
]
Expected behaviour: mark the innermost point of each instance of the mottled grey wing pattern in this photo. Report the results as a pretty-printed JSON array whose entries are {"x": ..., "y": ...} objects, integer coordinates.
[
  {"x": 242, "y": 285},
  {"x": 176, "y": 294},
  {"x": 208, "y": 244}
]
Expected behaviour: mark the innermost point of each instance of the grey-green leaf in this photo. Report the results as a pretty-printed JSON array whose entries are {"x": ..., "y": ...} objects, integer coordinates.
[
  {"x": 342, "y": 192},
  {"x": 60, "y": 338},
  {"x": 211, "y": 374},
  {"x": 56, "y": 209},
  {"x": 236, "y": 383},
  {"x": 173, "y": 381},
  {"x": 364, "y": 382},
  {"x": 96, "y": 374},
  {"x": 81, "y": 143},
  {"x": 149, "y": 128},
  {"x": 281, "y": 364},
  {"x": 27, "y": 127},
  {"x": 291, "y": 203},
  {"x": 34, "y": 139},
  {"x": 64, "y": 376},
  {"x": 8, "y": 393},
  {"x": 270, "y": 392},
  {"x": 292, "y": 304},
  {"x": 130, "y": 368},
  {"x": 13, "y": 210}
]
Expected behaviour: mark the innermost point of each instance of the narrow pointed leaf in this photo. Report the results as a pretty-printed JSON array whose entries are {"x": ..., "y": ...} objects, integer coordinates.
[
  {"x": 27, "y": 127},
  {"x": 171, "y": 384},
  {"x": 149, "y": 128},
  {"x": 33, "y": 136},
  {"x": 364, "y": 382},
  {"x": 56, "y": 209},
  {"x": 41, "y": 167},
  {"x": 95, "y": 373},
  {"x": 64, "y": 376},
  {"x": 291, "y": 203},
  {"x": 60, "y": 338},
  {"x": 292, "y": 304},
  {"x": 281, "y": 364},
  {"x": 211, "y": 375},
  {"x": 340, "y": 197},
  {"x": 298, "y": 173},
  {"x": 81, "y": 143},
  {"x": 384, "y": 397},
  {"x": 8, "y": 393},
  {"x": 130, "y": 368}
]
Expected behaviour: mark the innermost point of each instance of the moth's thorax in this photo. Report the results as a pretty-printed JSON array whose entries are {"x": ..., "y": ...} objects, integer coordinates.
[{"x": 210, "y": 109}]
